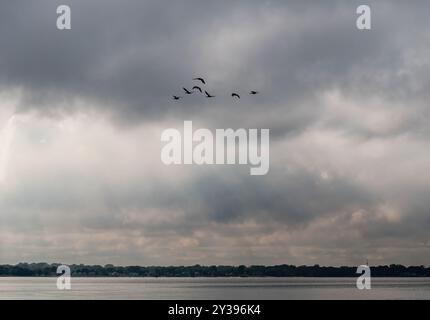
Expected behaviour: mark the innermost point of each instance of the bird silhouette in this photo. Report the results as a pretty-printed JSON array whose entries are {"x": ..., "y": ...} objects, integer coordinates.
[
  {"x": 198, "y": 88},
  {"x": 235, "y": 95},
  {"x": 176, "y": 98},
  {"x": 253, "y": 92},
  {"x": 187, "y": 91},
  {"x": 208, "y": 95},
  {"x": 200, "y": 79}
]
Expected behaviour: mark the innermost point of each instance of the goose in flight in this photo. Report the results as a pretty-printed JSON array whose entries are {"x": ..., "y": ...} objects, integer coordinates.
[
  {"x": 235, "y": 95},
  {"x": 200, "y": 79},
  {"x": 187, "y": 91},
  {"x": 253, "y": 92},
  {"x": 208, "y": 95},
  {"x": 198, "y": 88},
  {"x": 176, "y": 98}
]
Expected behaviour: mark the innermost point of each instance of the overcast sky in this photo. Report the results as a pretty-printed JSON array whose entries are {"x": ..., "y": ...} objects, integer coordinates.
[{"x": 82, "y": 111}]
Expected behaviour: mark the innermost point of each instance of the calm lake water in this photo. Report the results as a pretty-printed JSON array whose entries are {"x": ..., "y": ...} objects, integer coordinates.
[{"x": 215, "y": 288}]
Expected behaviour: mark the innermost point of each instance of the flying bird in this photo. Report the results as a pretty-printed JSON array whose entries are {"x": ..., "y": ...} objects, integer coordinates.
[
  {"x": 176, "y": 98},
  {"x": 253, "y": 92},
  {"x": 198, "y": 88},
  {"x": 200, "y": 79},
  {"x": 235, "y": 95},
  {"x": 208, "y": 95},
  {"x": 187, "y": 91}
]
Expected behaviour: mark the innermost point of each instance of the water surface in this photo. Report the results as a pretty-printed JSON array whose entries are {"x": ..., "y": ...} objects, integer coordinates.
[{"x": 214, "y": 288}]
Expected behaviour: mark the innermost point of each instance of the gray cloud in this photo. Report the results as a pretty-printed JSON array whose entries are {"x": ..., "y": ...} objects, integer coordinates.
[
  {"x": 134, "y": 55},
  {"x": 347, "y": 112}
]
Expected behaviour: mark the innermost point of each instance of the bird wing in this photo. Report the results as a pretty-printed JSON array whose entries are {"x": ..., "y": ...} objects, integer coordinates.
[{"x": 200, "y": 79}]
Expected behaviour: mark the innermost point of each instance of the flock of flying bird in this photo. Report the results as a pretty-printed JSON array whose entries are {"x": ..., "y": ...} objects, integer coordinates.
[{"x": 207, "y": 94}]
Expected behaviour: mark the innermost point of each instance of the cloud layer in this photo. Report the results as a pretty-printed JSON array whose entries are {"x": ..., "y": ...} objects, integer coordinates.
[{"x": 80, "y": 173}]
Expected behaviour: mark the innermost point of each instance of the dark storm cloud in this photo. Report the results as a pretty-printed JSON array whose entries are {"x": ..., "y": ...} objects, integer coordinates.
[{"x": 131, "y": 56}]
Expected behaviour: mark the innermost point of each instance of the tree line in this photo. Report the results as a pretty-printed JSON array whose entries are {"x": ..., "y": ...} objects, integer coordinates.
[{"x": 50, "y": 270}]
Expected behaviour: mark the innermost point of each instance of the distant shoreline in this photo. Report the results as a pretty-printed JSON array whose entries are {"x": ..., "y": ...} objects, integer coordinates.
[{"x": 220, "y": 271}]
